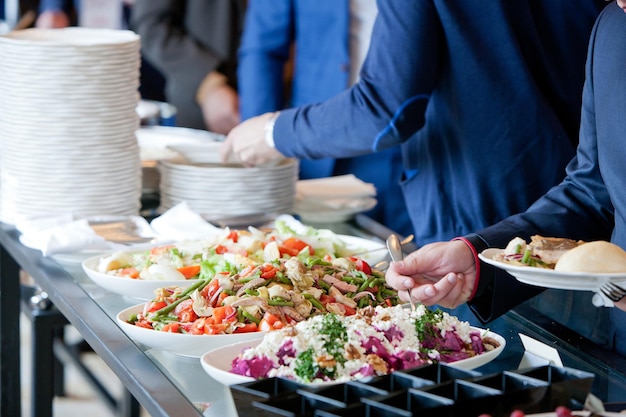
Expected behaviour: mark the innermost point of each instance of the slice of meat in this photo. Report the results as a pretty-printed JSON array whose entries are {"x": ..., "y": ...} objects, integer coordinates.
[{"x": 550, "y": 249}]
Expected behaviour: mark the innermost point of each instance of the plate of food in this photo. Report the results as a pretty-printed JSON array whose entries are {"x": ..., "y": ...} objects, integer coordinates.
[
  {"x": 184, "y": 344},
  {"x": 238, "y": 295},
  {"x": 140, "y": 273},
  {"x": 375, "y": 341},
  {"x": 560, "y": 263}
]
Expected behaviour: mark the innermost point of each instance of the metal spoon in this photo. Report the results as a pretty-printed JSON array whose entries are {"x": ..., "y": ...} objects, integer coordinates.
[
  {"x": 395, "y": 251},
  {"x": 402, "y": 243}
]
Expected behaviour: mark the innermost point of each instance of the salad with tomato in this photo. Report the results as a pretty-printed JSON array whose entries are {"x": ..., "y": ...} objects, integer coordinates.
[
  {"x": 282, "y": 283},
  {"x": 223, "y": 251}
]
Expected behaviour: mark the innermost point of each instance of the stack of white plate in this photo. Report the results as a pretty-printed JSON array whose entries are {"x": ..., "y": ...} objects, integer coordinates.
[
  {"x": 216, "y": 191},
  {"x": 157, "y": 143},
  {"x": 68, "y": 100}
]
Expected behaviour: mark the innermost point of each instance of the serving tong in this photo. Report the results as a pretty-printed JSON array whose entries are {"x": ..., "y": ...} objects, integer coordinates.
[{"x": 394, "y": 246}]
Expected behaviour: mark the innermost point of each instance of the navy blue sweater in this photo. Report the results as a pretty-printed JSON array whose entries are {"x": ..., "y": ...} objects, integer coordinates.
[{"x": 483, "y": 96}]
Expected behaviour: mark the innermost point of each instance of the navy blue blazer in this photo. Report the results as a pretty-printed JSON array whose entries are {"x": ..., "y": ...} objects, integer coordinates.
[
  {"x": 483, "y": 96},
  {"x": 321, "y": 67},
  {"x": 590, "y": 203}
]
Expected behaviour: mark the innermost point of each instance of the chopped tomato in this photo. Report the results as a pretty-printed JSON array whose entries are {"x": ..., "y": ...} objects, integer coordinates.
[
  {"x": 247, "y": 328},
  {"x": 171, "y": 328},
  {"x": 349, "y": 311},
  {"x": 268, "y": 271},
  {"x": 130, "y": 272},
  {"x": 156, "y": 305},
  {"x": 233, "y": 235},
  {"x": 224, "y": 314},
  {"x": 270, "y": 322},
  {"x": 184, "y": 311},
  {"x": 143, "y": 323},
  {"x": 283, "y": 250},
  {"x": 198, "y": 326},
  {"x": 189, "y": 271},
  {"x": 247, "y": 271},
  {"x": 210, "y": 290},
  {"x": 363, "y": 266},
  {"x": 221, "y": 249},
  {"x": 292, "y": 246},
  {"x": 215, "y": 328},
  {"x": 325, "y": 299}
]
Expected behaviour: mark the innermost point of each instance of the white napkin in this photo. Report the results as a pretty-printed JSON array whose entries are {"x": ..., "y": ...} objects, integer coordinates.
[
  {"x": 182, "y": 223},
  {"x": 61, "y": 234},
  {"x": 340, "y": 187}
]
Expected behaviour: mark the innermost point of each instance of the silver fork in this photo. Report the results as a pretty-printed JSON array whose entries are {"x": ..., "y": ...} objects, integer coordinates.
[
  {"x": 613, "y": 291},
  {"x": 394, "y": 247}
]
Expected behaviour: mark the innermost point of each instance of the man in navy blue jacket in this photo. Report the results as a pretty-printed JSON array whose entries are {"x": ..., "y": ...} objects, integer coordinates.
[
  {"x": 483, "y": 96},
  {"x": 590, "y": 203},
  {"x": 325, "y": 62}
]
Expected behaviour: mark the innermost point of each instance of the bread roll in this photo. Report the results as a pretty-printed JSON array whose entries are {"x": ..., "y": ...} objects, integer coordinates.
[{"x": 597, "y": 257}]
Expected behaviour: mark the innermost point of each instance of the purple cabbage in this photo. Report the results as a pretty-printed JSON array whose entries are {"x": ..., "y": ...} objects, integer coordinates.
[
  {"x": 286, "y": 350},
  {"x": 256, "y": 367}
]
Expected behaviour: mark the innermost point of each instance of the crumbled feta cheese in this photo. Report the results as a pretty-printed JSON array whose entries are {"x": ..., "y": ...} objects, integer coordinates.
[{"x": 382, "y": 340}]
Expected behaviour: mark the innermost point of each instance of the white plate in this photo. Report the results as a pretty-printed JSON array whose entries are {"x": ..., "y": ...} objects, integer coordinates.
[
  {"x": 375, "y": 251},
  {"x": 549, "y": 278},
  {"x": 217, "y": 362},
  {"x": 326, "y": 214},
  {"x": 137, "y": 288},
  {"x": 178, "y": 343}
]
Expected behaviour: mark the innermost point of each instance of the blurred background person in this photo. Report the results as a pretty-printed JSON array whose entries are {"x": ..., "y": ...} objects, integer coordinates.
[
  {"x": 296, "y": 52},
  {"x": 17, "y": 14},
  {"x": 193, "y": 43}
]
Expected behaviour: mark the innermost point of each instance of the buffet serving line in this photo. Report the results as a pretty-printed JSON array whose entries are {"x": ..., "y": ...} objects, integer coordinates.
[
  {"x": 167, "y": 383},
  {"x": 79, "y": 232}
]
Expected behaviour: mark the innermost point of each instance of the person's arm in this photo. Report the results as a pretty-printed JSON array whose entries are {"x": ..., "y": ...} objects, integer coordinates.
[
  {"x": 382, "y": 110},
  {"x": 388, "y": 104},
  {"x": 264, "y": 51},
  {"x": 190, "y": 43}
]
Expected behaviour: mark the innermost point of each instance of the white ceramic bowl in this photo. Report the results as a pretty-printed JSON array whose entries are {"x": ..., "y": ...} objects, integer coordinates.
[
  {"x": 217, "y": 362},
  {"x": 178, "y": 343},
  {"x": 136, "y": 288}
]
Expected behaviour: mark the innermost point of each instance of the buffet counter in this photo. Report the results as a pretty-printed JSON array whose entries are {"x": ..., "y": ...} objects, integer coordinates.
[{"x": 170, "y": 385}]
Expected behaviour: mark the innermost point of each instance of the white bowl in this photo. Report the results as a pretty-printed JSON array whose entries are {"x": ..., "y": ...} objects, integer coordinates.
[
  {"x": 217, "y": 363},
  {"x": 178, "y": 343},
  {"x": 137, "y": 288}
]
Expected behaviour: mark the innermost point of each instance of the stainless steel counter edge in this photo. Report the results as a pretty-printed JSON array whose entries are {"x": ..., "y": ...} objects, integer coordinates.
[{"x": 156, "y": 393}]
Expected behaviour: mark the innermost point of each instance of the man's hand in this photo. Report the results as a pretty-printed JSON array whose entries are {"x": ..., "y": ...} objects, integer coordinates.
[
  {"x": 220, "y": 109},
  {"x": 441, "y": 273},
  {"x": 246, "y": 143},
  {"x": 52, "y": 19}
]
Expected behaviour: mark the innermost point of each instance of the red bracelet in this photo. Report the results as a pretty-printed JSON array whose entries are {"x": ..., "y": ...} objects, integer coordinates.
[{"x": 476, "y": 262}]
